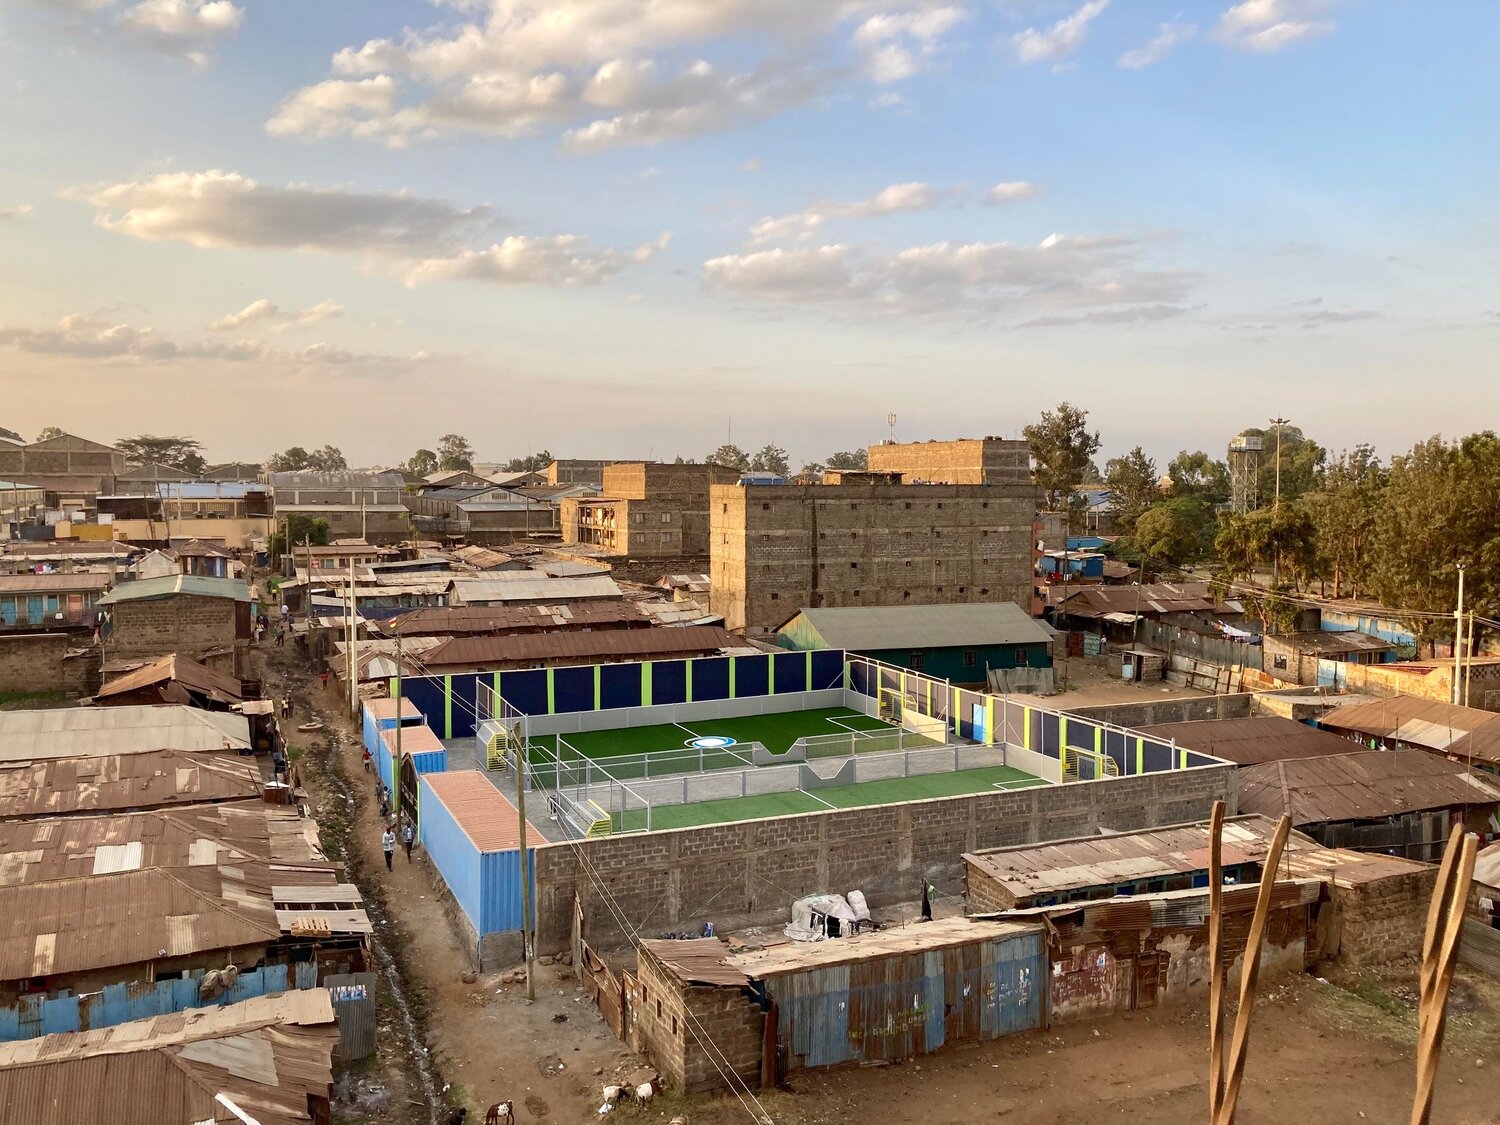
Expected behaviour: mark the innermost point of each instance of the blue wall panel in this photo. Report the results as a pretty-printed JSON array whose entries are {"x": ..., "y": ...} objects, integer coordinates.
[
  {"x": 525, "y": 690},
  {"x": 573, "y": 689},
  {"x": 668, "y": 682},
  {"x": 710, "y": 678},
  {"x": 428, "y": 695},
  {"x": 1155, "y": 757},
  {"x": 500, "y": 890},
  {"x": 620, "y": 685},
  {"x": 451, "y": 852},
  {"x": 827, "y": 670},
  {"x": 751, "y": 675},
  {"x": 789, "y": 672}
]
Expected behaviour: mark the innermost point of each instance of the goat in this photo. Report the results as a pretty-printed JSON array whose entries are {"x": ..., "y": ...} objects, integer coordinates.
[{"x": 501, "y": 1113}]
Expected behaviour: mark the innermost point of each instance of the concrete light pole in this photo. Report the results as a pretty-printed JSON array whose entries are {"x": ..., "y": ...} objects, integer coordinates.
[{"x": 1276, "y": 504}]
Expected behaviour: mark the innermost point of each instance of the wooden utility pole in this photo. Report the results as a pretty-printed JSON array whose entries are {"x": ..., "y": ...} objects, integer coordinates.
[
  {"x": 1445, "y": 920},
  {"x": 396, "y": 757},
  {"x": 526, "y": 921},
  {"x": 350, "y": 635},
  {"x": 1217, "y": 971}
]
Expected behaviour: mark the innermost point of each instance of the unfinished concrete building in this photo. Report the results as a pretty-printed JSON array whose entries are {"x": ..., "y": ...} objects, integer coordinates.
[
  {"x": 648, "y": 510},
  {"x": 777, "y": 549},
  {"x": 988, "y": 460}
]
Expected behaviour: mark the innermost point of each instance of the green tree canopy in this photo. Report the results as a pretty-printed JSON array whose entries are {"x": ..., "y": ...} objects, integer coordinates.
[
  {"x": 423, "y": 462},
  {"x": 851, "y": 460},
  {"x": 182, "y": 453},
  {"x": 771, "y": 458},
  {"x": 300, "y": 530},
  {"x": 50, "y": 432},
  {"x": 8, "y": 433},
  {"x": 454, "y": 453},
  {"x": 730, "y": 457},
  {"x": 328, "y": 459},
  {"x": 1174, "y": 532},
  {"x": 532, "y": 463},
  {"x": 1063, "y": 449},
  {"x": 1301, "y": 461},
  {"x": 1134, "y": 484}
]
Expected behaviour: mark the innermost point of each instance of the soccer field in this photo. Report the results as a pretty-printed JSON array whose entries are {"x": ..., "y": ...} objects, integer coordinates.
[
  {"x": 775, "y": 732},
  {"x": 840, "y": 796}
]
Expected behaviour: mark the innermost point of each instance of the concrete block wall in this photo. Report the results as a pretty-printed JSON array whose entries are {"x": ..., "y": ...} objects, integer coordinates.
[
  {"x": 1236, "y": 706},
  {"x": 775, "y": 550},
  {"x": 965, "y": 461},
  {"x": 752, "y": 871},
  {"x": 38, "y": 662},
  {"x": 1381, "y": 920},
  {"x": 182, "y": 624},
  {"x": 667, "y": 1014}
]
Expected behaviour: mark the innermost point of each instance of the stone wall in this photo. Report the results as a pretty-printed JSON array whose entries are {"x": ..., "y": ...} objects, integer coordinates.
[
  {"x": 777, "y": 549},
  {"x": 40, "y": 662},
  {"x": 752, "y": 871},
  {"x": 1378, "y": 920},
  {"x": 1237, "y": 706},
  {"x": 184, "y": 623},
  {"x": 666, "y": 1013}
]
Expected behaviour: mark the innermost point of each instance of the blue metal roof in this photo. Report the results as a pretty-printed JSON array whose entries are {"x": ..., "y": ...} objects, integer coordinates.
[{"x": 209, "y": 489}]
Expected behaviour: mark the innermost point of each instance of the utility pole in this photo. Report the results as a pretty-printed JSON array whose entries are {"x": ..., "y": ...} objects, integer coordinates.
[
  {"x": 352, "y": 662},
  {"x": 1458, "y": 636},
  {"x": 1469, "y": 658},
  {"x": 1276, "y": 505},
  {"x": 526, "y": 926},
  {"x": 396, "y": 760}
]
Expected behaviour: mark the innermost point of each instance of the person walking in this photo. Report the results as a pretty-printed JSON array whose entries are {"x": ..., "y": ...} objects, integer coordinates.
[
  {"x": 388, "y": 845},
  {"x": 323, "y": 675},
  {"x": 365, "y": 758},
  {"x": 408, "y": 837}
]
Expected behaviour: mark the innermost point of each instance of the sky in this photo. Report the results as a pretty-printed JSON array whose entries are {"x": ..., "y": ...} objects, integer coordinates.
[{"x": 639, "y": 228}]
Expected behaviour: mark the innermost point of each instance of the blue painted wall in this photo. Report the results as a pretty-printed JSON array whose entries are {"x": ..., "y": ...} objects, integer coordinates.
[{"x": 486, "y": 886}]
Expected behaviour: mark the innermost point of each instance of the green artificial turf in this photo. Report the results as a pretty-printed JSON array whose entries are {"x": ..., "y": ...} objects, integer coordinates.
[{"x": 775, "y": 732}]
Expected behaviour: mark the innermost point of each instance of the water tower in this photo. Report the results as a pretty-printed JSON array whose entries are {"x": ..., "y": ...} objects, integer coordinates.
[{"x": 1244, "y": 473}]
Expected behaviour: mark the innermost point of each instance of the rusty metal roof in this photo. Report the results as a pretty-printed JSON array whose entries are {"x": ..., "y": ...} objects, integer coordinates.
[
  {"x": 78, "y": 732},
  {"x": 1028, "y": 870},
  {"x": 897, "y": 941},
  {"x": 459, "y": 619},
  {"x": 1335, "y": 641},
  {"x": 124, "y": 781},
  {"x": 264, "y": 1056},
  {"x": 696, "y": 961},
  {"x": 383, "y": 708},
  {"x": 1483, "y": 744},
  {"x": 1152, "y": 598},
  {"x": 1362, "y": 786},
  {"x": 1183, "y": 909},
  {"x": 105, "y": 921},
  {"x": 1247, "y": 742},
  {"x": 634, "y": 643},
  {"x": 497, "y": 590},
  {"x": 486, "y": 817},
  {"x": 1406, "y": 718},
  {"x": 414, "y": 739},
  {"x": 176, "y": 669},
  {"x": 53, "y": 583}
]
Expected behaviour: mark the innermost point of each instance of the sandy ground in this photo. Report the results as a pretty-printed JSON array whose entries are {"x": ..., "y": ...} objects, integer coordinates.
[
  {"x": 1339, "y": 1052},
  {"x": 1096, "y": 680}
]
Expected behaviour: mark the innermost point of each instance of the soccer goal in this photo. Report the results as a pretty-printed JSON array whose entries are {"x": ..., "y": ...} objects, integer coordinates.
[{"x": 904, "y": 708}]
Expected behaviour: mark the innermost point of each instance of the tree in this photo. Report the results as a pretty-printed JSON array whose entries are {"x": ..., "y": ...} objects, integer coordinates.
[
  {"x": 423, "y": 462},
  {"x": 1134, "y": 485},
  {"x": 1063, "y": 451},
  {"x": 534, "y": 463},
  {"x": 50, "y": 432},
  {"x": 810, "y": 472},
  {"x": 1198, "y": 474},
  {"x": 454, "y": 453},
  {"x": 175, "y": 452},
  {"x": 301, "y": 530},
  {"x": 850, "y": 460},
  {"x": 730, "y": 457},
  {"x": 1268, "y": 538},
  {"x": 1301, "y": 461},
  {"x": 329, "y": 459},
  {"x": 1343, "y": 509},
  {"x": 5, "y": 433},
  {"x": 1173, "y": 532},
  {"x": 771, "y": 459}
]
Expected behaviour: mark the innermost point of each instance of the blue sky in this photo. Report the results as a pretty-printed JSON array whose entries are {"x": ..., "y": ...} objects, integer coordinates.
[{"x": 614, "y": 228}]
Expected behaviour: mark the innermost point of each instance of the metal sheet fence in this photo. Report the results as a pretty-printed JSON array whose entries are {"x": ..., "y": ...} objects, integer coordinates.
[{"x": 353, "y": 996}]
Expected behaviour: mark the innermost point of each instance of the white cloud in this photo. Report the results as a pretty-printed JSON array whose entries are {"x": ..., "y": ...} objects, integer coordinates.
[
  {"x": 519, "y": 260},
  {"x": 1061, "y": 39},
  {"x": 419, "y": 238},
  {"x": 1269, "y": 25},
  {"x": 612, "y": 72},
  {"x": 188, "y": 29},
  {"x": 19, "y": 211},
  {"x": 1060, "y": 272},
  {"x": 1011, "y": 191},
  {"x": 888, "y": 201},
  {"x": 1137, "y": 315},
  {"x": 88, "y": 338},
  {"x": 751, "y": 165},
  {"x": 265, "y": 311},
  {"x": 1167, "y": 36}
]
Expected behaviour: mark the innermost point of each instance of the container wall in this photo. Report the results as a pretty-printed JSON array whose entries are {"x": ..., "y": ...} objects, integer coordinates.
[{"x": 451, "y": 852}]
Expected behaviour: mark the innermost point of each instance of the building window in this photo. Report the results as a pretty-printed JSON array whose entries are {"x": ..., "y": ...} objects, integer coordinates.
[
  {"x": 674, "y": 1025},
  {"x": 666, "y": 517},
  {"x": 658, "y": 1009},
  {"x": 765, "y": 538},
  {"x": 854, "y": 507},
  {"x": 724, "y": 508},
  {"x": 857, "y": 593},
  {"x": 905, "y": 594},
  {"x": 984, "y": 503},
  {"x": 854, "y": 566},
  {"x": 908, "y": 564},
  {"x": 984, "y": 589},
  {"x": 963, "y": 589},
  {"x": 908, "y": 504},
  {"x": 640, "y": 517},
  {"x": 969, "y": 658},
  {"x": 666, "y": 537},
  {"x": 765, "y": 507},
  {"x": 918, "y": 661},
  {"x": 775, "y": 597},
  {"x": 822, "y": 565}
]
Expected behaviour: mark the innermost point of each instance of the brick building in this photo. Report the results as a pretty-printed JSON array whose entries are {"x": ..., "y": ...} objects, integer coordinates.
[
  {"x": 370, "y": 506},
  {"x": 65, "y": 467},
  {"x": 648, "y": 510},
  {"x": 571, "y": 470},
  {"x": 987, "y": 460},
  {"x": 776, "y": 549},
  {"x": 204, "y": 619}
]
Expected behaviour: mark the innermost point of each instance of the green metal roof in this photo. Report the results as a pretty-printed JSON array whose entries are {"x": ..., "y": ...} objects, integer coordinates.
[
  {"x": 867, "y": 628},
  {"x": 172, "y": 584}
]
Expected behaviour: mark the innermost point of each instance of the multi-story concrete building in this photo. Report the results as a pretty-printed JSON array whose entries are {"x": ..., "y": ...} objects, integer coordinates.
[
  {"x": 571, "y": 470},
  {"x": 369, "y": 506},
  {"x": 72, "y": 471},
  {"x": 988, "y": 460},
  {"x": 648, "y": 510},
  {"x": 779, "y": 549}
]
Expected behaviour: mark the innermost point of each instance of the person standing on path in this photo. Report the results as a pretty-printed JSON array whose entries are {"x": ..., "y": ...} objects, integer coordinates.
[
  {"x": 388, "y": 845},
  {"x": 408, "y": 837}
]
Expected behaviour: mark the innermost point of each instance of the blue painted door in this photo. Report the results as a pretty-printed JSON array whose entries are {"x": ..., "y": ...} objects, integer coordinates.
[{"x": 980, "y": 729}]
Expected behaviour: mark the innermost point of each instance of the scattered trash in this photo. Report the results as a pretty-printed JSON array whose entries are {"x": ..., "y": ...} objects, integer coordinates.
[{"x": 560, "y": 1018}]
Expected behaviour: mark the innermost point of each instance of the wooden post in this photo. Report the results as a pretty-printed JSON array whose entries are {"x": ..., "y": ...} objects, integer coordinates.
[
  {"x": 1445, "y": 920},
  {"x": 1216, "y": 968},
  {"x": 528, "y": 931},
  {"x": 1249, "y": 972}
]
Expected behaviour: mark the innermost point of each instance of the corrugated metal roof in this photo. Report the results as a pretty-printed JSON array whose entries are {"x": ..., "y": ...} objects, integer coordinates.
[
  {"x": 1152, "y": 598},
  {"x": 1487, "y": 866},
  {"x": 797, "y": 955},
  {"x": 414, "y": 740},
  {"x": 1419, "y": 722},
  {"x": 176, "y": 669},
  {"x": 54, "y": 583},
  {"x": 497, "y": 590},
  {"x": 1361, "y": 786},
  {"x": 266, "y": 1056},
  {"x": 54, "y": 786},
  {"x": 697, "y": 961},
  {"x": 384, "y": 708},
  {"x": 573, "y": 645},
  {"x": 75, "y": 732},
  {"x": 337, "y": 481},
  {"x": 171, "y": 585},
  {"x": 1028, "y": 870},
  {"x": 863, "y": 628},
  {"x": 480, "y": 810},
  {"x": 1331, "y": 641},
  {"x": 458, "y": 619},
  {"x": 1248, "y": 742},
  {"x": 1483, "y": 744}
]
